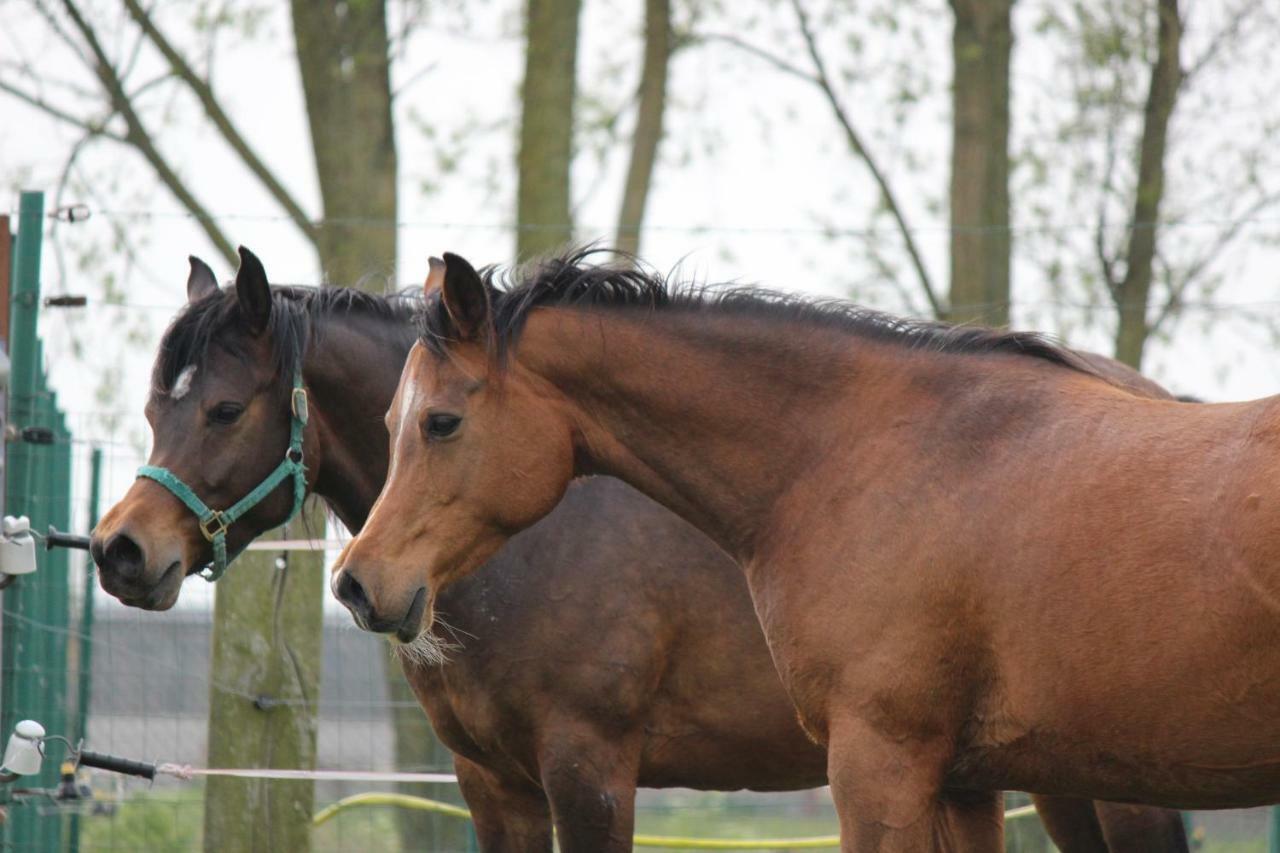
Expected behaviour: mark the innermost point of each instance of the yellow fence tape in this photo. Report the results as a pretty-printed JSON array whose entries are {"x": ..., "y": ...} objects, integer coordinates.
[{"x": 405, "y": 801}]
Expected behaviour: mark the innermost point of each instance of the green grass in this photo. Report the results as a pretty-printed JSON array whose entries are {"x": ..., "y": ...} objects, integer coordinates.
[
  {"x": 716, "y": 823},
  {"x": 359, "y": 831},
  {"x": 157, "y": 822},
  {"x": 1025, "y": 836},
  {"x": 170, "y": 821}
]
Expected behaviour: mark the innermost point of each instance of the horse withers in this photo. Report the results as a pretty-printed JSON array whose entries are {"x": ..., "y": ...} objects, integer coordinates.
[{"x": 978, "y": 565}]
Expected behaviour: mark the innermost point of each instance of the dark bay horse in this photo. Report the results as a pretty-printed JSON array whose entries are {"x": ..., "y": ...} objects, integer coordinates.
[
  {"x": 609, "y": 645},
  {"x": 978, "y": 565}
]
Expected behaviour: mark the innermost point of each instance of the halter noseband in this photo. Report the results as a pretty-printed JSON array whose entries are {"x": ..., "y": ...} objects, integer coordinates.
[{"x": 214, "y": 523}]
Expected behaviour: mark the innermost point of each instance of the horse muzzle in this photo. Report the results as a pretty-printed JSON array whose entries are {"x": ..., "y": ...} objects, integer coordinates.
[
  {"x": 404, "y": 623},
  {"x": 126, "y": 572}
]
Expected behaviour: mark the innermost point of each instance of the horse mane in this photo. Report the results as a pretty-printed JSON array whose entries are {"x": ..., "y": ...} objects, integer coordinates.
[
  {"x": 573, "y": 280},
  {"x": 295, "y": 310}
]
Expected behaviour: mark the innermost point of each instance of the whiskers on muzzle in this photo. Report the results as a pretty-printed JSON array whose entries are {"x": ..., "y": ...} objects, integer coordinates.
[{"x": 427, "y": 649}]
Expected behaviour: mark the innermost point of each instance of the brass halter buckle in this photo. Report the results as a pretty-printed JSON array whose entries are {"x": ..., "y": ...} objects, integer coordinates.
[{"x": 219, "y": 530}]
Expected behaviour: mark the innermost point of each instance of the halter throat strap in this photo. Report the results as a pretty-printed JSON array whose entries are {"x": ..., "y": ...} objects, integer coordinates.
[{"x": 214, "y": 523}]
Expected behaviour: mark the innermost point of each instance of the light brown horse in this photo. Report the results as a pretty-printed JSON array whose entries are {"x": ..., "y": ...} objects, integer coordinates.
[
  {"x": 978, "y": 566},
  {"x": 676, "y": 687}
]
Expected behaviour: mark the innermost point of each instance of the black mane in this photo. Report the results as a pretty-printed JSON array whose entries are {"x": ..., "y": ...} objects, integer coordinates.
[
  {"x": 572, "y": 280},
  {"x": 291, "y": 327}
]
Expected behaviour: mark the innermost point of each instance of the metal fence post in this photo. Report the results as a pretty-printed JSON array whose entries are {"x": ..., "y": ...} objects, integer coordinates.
[
  {"x": 33, "y": 672},
  {"x": 86, "y": 604},
  {"x": 84, "y": 658},
  {"x": 22, "y": 599}
]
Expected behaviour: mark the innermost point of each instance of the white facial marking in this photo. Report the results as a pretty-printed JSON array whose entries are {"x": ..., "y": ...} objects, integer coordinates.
[
  {"x": 183, "y": 384},
  {"x": 408, "y": 403},
  {"x": 409, "y": 395}
]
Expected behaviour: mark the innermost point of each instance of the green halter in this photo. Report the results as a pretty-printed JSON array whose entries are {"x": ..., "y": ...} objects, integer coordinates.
[{"x": 214, "y": 523}]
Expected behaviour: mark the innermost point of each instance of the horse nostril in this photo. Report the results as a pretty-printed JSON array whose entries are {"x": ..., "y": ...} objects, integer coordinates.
[
  {"x": 121, "y": 556},
  {"x": 352, "y": 594}
]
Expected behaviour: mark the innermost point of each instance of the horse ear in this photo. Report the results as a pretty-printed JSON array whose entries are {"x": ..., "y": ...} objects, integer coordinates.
[
  {"x": 253, "y": 292},
  {"x": 465, "y": 297},
  {"x": 201, "y": 281},
  {"x": 435, "y": 277}
]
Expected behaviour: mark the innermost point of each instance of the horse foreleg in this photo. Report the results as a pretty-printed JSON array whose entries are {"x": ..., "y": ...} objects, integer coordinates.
[
  {"x": 1071, "y": 823},
  {"x": 1088, "y": 826},
  {"x": 889, "y": 797},
  {"x": 509, "y": 817},
  {"x": 1141, "y": 829},
  {"x": 591, "y": 783}
]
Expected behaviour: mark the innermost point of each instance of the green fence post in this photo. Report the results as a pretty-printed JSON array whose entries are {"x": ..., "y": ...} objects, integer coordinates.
[
  {"x": 59, "y": 571},
  {"x": 86, "y": 606},
  {"x": 21, "y": 599},
  {"x": 62, "y": 675},
  {"x": 85, "y": 657},
  {"x": 34, "y": 677}
]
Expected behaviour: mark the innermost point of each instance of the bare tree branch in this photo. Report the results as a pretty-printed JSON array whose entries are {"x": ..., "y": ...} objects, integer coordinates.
[
  {"x": 23, "y": 70},
  {"x": 823, "y": 81},
  {"x": 1105, "y": 259},
  {"x": 59, "y": 195},
  {"x": 1197, "y": 269},
  {"x": 60, "y": 31},
  {"x": 1223, "y": 37},
  {"x": 126, "y": 68},
  {"x": 647, "y": 135},
  {"x": 887, "y": 274},
  {"x": 59, "y": 113},
  {"x": 411, "y": 80},
  {"x": 1167, "y": 275},
  {"x": 204, "y": 93},
  {"x": 414, "y": 15},
  {"x": 609, "y": 120},
  {"x": 1132, "y": 295},
  {"x": 137, "y": 135},
  {"x": 149, "y": 85},
  {"x": 820, "y": 78},
  {"x": 758, "y": 52}
]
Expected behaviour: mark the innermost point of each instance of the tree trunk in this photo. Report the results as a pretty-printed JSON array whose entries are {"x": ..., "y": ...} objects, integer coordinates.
[
  {"x": 648, "y": 131},
  {"x": 543, "y": 217},
  {"x": 344, "y": 59},
  {"x": 1133, "y": 291},
  {"x": 267, "y": 622},
  {"x": 980, "y": 238}
]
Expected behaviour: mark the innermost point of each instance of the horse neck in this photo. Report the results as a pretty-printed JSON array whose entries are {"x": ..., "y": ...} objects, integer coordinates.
[
  {"x": 351, "y": 377},
  {"x": 716, "y": 418}
]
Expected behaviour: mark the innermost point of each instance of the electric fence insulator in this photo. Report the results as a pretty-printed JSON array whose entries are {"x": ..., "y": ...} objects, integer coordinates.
[
  {"x": 71, "y": 213},
  {"x": 37, "y": 435},
  {"x": 66, "y": 301}
]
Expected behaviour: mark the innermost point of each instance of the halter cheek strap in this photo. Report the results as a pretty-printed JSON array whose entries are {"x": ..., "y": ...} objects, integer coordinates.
[{"x": 214, "y": 523}]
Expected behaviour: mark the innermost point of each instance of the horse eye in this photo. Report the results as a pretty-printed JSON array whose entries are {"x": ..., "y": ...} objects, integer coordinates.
[
  {"x": 225, "y": 413},
  {"x": 442, "y": 425}
]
